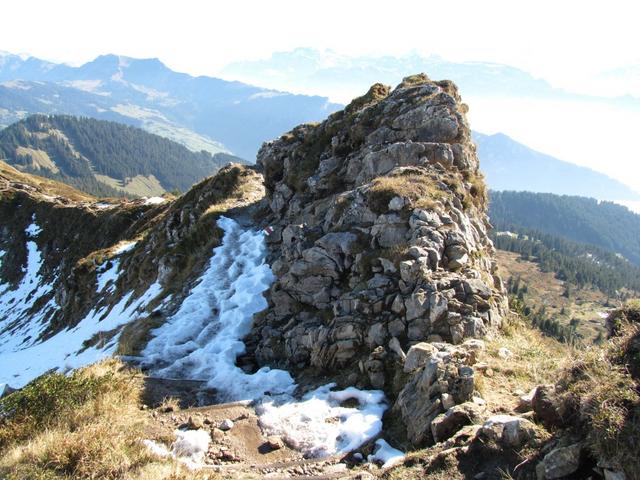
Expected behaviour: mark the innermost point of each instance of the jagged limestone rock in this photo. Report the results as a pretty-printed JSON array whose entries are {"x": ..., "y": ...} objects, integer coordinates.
[{"x": 383, "y": 218}]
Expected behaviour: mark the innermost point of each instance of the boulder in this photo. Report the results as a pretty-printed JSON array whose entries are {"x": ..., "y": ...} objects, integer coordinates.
[
  {"x": 560, "y": 462},
  {"x": 507, "y": 430},
  {"x": 456, "y": 417},
  {"x": 418, "y": 355}
]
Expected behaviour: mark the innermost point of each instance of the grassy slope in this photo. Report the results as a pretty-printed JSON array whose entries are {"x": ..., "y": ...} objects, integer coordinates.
[{"x": 44, "y": 184}]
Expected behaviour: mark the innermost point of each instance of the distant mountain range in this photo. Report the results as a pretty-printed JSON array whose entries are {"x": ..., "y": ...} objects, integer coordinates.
[
  {"x": 326, "y": 72},
  {"x": 199, "y": 112},
  {"x": 583, "y": 129},
  {"x": 104, "y": 158},
  {"x": 205, "y": 113},
  {"x": 585, "y": 220},
  {"x": 509, "y": 165}
]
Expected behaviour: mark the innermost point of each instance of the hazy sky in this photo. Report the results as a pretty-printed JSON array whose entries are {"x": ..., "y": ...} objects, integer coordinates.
[
  {"x": 563, "y": 41},
  {"x": 566, "y": 42}
]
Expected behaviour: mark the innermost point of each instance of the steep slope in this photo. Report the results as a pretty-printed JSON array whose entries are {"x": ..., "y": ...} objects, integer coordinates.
[
  {"x": 104, "y": 158},
  {"x": 75, "y": 271},
  {"x": 200, "y": 112},
  {"x": 584, "y": 220},
  {"x": 509, "y": 165}
]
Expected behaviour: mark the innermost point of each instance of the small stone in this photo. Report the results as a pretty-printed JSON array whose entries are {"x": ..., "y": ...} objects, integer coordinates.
[
  {"x": 508, "y": 430},
  {"x": 217, "y": 434},
  {"x": 614, "y": 475},
  {"x": 448, "y": 423},
  {"x": 394, "y": 346},
  {"x": 195, "y": 423},
  {"x": 274, "y": 442},
  {"x": 548, "y": 406},
  {"x": 226, "y": 425},
  {"x": 387, "y": 265},
  {"x": 447, "y": 401},
  {"x": 561, "y": 462},
  {"x": 397, "y": 203},
  {"x": 525, "y": 401},
  {"x": 418, "y": 355},
  {"x": 504, "y": 353}
]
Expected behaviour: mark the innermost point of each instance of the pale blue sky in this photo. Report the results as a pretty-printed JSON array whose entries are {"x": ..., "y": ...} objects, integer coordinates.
[{"x": 563, "y": 41}]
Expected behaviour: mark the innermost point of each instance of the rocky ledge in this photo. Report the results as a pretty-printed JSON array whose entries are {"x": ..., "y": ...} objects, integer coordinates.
[{"x": 379, "y": 243}]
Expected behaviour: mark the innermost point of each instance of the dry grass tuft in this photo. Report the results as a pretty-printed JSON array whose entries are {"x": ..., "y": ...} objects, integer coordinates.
[
  {"x": 87, "y": 425},
  {"x": 535, "y": 360},
  {"x": 421, "y": 190},
  {"x": 604, "y": 397}
]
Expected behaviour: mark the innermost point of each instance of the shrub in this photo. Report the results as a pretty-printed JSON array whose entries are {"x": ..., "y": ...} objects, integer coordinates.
[
  {"x": 628, "y": 313},
  {"x": 46, "y": 400}
]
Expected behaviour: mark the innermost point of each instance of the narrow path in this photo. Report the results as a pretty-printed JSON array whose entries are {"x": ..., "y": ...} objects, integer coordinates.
[{"x": 203, "y": 339}]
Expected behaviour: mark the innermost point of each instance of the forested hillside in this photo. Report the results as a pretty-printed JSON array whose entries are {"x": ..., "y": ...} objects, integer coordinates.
[
  {"x": 579, "y": 264},
  {"x": 104, "y": 158},
  {"x": 585, "y": 220}
]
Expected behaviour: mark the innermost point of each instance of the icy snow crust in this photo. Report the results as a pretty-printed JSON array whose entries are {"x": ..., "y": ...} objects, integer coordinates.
[
  {"x": 189, "y": 447},
  {"x": 22, "y": 356},
  {"x": 386, "y": 454},
  {"x": 203, "y": 339}
]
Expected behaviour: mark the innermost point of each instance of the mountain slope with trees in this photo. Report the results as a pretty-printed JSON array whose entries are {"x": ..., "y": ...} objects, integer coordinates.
[
  {"x": 199, "y": 112},
  {"x": 585, "y": 220},
  {"x": 104, "y": 158}
]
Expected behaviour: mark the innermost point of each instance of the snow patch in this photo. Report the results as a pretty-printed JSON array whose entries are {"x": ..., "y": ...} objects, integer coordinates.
[
  {"x": 386, "y": 454},
  {"x": 204, "y": 338},
  {"x": 189, "y": 447},
  {"x": 23, "y": 359},
  {"x": 108, "y": 273},
  {"x": 154, "y": 200},
  {"x": 33, "y": 230},
  {"x": 319, "y": 426},
  {"x": 156, "y": 448}
]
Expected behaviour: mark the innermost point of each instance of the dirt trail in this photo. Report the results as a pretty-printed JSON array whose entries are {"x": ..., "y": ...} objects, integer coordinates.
[{"x": 243, "y": 451}]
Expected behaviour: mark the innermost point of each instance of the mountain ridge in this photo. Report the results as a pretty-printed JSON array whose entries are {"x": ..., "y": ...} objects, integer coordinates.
[
  {"x": 104, "y": 158},
  {"x": 510, "y": 165},
  {"x": 580, "y": 219},
  {"x": 147, "y": 93}
]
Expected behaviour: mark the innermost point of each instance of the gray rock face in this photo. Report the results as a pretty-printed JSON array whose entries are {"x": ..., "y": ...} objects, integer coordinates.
[{"x": 382, "y": 238}]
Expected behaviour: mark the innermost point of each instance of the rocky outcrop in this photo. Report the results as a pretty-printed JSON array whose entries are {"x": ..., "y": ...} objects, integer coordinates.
[{"x": 379, "y": 239}]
